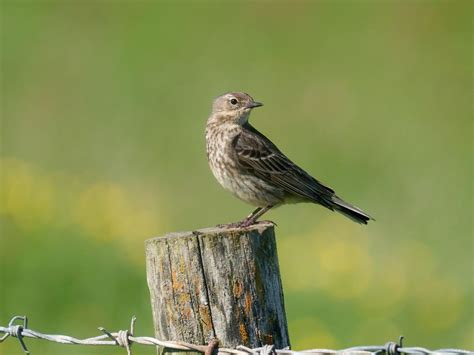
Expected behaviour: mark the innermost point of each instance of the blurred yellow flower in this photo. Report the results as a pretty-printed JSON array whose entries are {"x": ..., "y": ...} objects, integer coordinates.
[
  {"x": 26, "y": 196},
  {"x": 336, "y": 260},
  {"x": 344, "y": 263},
  {"x": 103, "y": 210}
]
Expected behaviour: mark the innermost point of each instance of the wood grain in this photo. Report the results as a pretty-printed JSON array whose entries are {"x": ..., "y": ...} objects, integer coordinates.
[{"x": 217, "y": 283}]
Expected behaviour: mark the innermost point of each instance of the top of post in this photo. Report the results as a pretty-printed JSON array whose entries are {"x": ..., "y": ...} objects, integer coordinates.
[{"x": 259, "y": 228}]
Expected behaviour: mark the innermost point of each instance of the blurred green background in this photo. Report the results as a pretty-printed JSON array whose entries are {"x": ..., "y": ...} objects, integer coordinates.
[{"x": 102, "y": 146}]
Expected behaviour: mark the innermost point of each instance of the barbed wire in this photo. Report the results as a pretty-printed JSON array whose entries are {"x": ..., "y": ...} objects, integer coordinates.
[{"x": 125, "y": 339}]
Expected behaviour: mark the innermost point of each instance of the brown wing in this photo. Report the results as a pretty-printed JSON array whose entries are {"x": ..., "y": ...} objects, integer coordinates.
[{"x": 258, "y": 154}]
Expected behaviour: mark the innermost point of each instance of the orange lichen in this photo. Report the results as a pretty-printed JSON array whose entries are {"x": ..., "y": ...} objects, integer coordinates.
[
  {"x": 206, "y": 320},
  {"x": 186, "y": 312},
  {"x": 244, "y": 335},
  {"x": 176, "y": 284},
  {"x": 238, "y": 289},
  {"x": 248, "y": 303},
  {"x": 184, "y": 297}
]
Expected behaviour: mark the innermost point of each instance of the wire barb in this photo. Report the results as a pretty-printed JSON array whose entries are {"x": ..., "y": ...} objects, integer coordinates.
[
  {"x": 268, "y": 350},
  {"x": 391, "y": 348},
  {"x": 125, "y": 339},
  {"x": 122, "y": 337},
  {"x": 16, "y": 331}
]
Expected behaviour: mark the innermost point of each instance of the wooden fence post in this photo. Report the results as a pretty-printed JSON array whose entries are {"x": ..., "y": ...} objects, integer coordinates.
[{"x": 217, "y": 283}]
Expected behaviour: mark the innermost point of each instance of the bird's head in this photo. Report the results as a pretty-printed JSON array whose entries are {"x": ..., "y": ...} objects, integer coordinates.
[{"x": 234, "y": 106}]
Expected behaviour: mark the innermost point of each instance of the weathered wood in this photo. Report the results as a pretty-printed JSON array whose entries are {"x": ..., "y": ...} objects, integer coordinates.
[{"x": 222, "y": 283}]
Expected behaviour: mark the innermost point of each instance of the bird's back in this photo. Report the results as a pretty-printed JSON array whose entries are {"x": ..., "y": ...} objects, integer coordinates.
[
  {"x": 258, "y": 154},
  {"x": 262, "y": 158}
]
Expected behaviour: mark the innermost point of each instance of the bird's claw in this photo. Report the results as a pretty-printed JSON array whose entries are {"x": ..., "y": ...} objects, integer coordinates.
[
  {"x": 241, "y": 224},
  {"x": 247, "y": 222}
]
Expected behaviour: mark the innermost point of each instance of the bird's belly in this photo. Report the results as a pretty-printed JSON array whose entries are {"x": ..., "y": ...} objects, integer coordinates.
[{"x": 248, "y": 188}]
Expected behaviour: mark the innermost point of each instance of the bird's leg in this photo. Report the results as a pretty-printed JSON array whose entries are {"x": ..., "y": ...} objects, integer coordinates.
[
  {"x": 257, "y": 210},
  {"x": 252, "y": 218},
  {"x": 240, "y": 223}
]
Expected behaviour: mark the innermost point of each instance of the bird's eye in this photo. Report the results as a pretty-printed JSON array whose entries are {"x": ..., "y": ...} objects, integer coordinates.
[{"x": 233, "y": 101}]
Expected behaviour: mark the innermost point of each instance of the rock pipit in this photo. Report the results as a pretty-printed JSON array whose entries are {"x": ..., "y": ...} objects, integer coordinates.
[{"x": 249, "y": 165}]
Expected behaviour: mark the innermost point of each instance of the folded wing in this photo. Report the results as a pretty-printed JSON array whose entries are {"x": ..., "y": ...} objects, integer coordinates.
[{"x": 258, "y": 154}]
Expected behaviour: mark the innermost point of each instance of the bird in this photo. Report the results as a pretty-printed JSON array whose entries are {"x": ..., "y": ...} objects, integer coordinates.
[{"x": 246, "y": 163}]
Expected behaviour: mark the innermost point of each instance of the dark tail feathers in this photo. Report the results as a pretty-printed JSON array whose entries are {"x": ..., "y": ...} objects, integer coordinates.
[{"x": 352, "y": 212}]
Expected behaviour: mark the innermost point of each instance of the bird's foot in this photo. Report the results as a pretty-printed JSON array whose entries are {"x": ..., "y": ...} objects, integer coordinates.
[
  {"x": 247, "y": 222},
  {"x": 240, "y": 224}
]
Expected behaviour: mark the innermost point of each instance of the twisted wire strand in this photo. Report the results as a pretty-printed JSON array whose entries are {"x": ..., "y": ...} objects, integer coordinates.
[{"x": 125, "y": 339}]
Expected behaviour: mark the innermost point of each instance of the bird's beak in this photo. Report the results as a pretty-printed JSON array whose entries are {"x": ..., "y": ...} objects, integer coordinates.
[{"x": 253, "y": 104}]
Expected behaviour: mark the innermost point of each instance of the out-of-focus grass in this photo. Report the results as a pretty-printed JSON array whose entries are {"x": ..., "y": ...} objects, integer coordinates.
[{"x": 103, "y": 111}]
